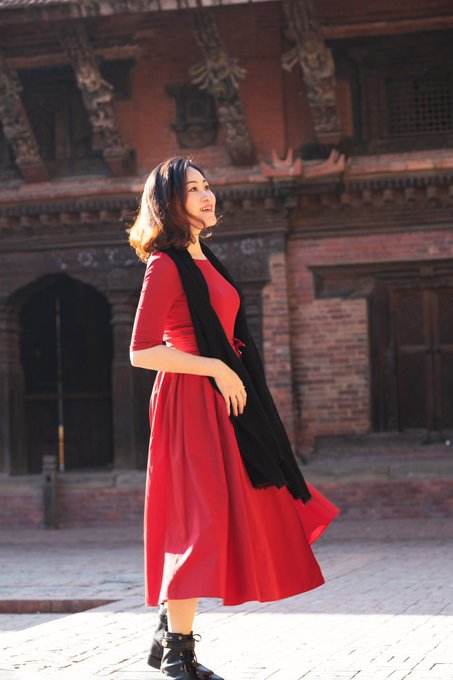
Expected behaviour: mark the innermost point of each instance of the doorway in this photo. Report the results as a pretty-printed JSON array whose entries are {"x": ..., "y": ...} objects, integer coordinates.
[{"x": 66, "y": 354}]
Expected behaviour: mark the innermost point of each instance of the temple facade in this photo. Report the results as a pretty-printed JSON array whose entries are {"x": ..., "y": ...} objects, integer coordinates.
[{"x": 326, "y": 132}]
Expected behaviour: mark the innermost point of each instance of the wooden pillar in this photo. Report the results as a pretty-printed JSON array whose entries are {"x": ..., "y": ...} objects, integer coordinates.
[
  {"x": 127, "y": 445},
  {"x": 12, "y": 408}
]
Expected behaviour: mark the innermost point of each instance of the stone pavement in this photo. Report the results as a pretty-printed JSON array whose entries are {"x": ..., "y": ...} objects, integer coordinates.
[{"x": 385, "y": 611}]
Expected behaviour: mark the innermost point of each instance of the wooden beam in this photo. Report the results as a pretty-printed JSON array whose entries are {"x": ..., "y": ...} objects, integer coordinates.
[
  {"x": 50, "y": 59},
  {"x": 394, "y": 27}
]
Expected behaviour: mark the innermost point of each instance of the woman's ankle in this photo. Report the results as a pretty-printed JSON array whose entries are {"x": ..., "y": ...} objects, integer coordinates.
[{"x": 180, "y": 615}]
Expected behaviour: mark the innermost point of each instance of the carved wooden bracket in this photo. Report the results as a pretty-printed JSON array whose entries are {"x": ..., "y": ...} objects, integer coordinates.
[
  {"x": 97, "y": 95},
  {"x": 219, "y": 74},
  {"x": 287, "y": 167},
  {"x": 317, "y": 65},
  {"x": 282, "y": 167},
  {"x": 17, "y": 128}
]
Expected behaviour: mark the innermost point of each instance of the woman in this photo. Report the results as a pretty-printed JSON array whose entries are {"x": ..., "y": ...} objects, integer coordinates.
[{"x": 227, "y": 511}]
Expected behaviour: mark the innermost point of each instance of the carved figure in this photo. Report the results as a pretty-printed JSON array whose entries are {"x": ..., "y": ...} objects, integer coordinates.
[
  {"x": 16, "y": 126},
  {"x": 219, "y": 74},
  {"x": 316, "y": 63},
  {"x": 97, "y": 93}
]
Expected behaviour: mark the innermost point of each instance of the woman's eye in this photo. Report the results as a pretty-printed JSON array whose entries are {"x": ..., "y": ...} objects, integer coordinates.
[{"x": 206, "y": 188}]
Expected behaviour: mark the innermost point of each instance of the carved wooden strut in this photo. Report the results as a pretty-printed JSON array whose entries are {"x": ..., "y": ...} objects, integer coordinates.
[
  {"x": 16, "y": 126},
  {"x": 97, "y": 95},
  {"x": 317, "y": 65},
  {"x": 335, "y": 164},
  {"x": 219, "y": 74}
]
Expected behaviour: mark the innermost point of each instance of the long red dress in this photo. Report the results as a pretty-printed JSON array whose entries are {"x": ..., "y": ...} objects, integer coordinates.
[{"x": 207, "y": 531}]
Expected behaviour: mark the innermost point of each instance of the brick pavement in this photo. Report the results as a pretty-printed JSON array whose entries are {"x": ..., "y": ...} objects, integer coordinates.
[{"x": 385, "y": 612}]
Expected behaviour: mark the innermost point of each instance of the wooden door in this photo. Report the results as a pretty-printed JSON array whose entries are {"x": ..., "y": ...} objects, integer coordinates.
[
  {"x": 443, "y": 357},
  {"x": 423, "y": 325},
  {"x": 84, "y": 345}
]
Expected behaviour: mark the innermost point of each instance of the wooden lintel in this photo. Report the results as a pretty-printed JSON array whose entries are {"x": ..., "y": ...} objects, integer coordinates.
[
  {"x": 359, "y": 280},
  {"x": 393, "y": 27},
  {"x": 112, "y": 53}
]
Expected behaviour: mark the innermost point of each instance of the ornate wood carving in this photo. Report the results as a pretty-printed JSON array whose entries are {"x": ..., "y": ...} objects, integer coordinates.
[
  {"x": 97, "y": 96},
  {"x": 333, "y": 206},
  {"x": 399, "y": 104},
  {"x": 219, "y": 74},
  {"x": 196, "y": 122},
  {"x": 16, "y": 126},
  {"x": 333, "y": 165},
  {"x": 317, "y": 65}
]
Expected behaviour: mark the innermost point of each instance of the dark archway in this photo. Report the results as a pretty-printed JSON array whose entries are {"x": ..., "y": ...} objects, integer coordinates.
[{"x": 75, "y": 362}]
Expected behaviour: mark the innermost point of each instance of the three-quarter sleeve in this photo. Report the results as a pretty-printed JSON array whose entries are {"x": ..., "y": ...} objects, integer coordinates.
[{"x": 161, "y": 286}]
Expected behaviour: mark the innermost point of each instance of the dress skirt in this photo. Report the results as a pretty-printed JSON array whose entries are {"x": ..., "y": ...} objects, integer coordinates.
[{"x": 207, "y": 531}]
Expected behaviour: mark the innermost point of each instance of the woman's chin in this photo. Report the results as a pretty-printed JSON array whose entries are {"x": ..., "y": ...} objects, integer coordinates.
[{"x": 210, "y": 221}]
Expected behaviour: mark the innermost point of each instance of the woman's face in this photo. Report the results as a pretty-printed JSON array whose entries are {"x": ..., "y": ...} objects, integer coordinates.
[{"x": 200, "y": 201}]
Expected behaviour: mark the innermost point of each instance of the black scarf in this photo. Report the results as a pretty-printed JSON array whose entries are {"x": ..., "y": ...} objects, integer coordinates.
[{"x": 261, "y": 436}]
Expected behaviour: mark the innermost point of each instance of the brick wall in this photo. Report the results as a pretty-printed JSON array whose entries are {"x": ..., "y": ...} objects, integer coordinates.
[
  {"x": 84, "y": 499},
  {"x": 92, "y": 502},
  {"x": 21, "y": 503},
  {"x": 82, "y": 507},
  {"x": 329, "y": 338},
  {"x": 391, "y": 499}
]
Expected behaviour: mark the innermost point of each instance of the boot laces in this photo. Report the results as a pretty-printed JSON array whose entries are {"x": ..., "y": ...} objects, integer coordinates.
[{"x": 194, "y": 660}]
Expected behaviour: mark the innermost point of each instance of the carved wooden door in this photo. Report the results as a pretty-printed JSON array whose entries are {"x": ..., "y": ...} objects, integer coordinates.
[{"x": 424, "y": 358}]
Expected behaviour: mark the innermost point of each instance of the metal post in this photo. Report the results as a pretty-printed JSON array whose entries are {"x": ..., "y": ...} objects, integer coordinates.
[
  {"x": 50, "y": 491},
  {"x": 61, "y": 460}
]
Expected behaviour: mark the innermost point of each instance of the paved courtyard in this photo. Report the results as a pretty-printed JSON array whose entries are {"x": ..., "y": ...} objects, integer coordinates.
[{"x": 385, "y": 612}]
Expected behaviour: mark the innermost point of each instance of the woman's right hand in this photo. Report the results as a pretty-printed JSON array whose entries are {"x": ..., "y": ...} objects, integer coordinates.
[{"x": 231, "y": 387}]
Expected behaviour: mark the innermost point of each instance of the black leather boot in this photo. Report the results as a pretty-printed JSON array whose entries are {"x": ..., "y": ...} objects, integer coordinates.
[
  {"x": 155, "y": 654},
  {"x": 178, "y": 658}
]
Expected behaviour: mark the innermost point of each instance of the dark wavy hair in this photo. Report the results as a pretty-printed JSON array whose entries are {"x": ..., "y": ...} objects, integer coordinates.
[{"x": 162, "y": 220}]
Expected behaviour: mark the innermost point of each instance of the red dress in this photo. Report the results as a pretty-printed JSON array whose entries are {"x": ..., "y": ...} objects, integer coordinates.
[{"x": 207, "y": 531}]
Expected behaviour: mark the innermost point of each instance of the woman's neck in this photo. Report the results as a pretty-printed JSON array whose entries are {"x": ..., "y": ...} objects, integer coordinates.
[{"x": 195, "y": 249}]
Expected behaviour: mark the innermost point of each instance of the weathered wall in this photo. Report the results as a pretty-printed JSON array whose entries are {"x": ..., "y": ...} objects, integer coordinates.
[{"x": 329, "y": 338}]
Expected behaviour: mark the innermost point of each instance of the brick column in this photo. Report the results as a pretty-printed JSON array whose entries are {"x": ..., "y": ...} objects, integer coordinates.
[
  {"x": 277, "y": 342},
  {"x": 12, "y": 421}
]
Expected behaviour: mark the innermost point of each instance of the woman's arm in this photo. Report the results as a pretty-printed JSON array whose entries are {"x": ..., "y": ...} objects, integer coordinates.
[{"x": 163, "y": 358}]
